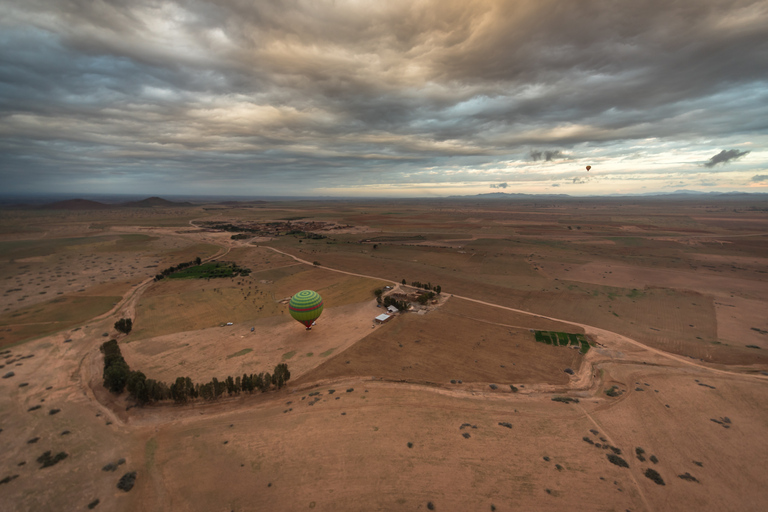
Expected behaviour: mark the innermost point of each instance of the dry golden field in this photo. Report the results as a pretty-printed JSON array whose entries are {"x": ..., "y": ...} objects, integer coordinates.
[{"x": 450, "y": 404}]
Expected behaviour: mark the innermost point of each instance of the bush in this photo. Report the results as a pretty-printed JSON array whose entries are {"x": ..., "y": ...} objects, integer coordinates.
[
  {"x": 615, "y": 459},
  {"x": 687, "y": 476},
  {"x": 565, "y": 399},
  {"x": 47, "y": 461},
  {"x": 654, "y": 475},
  {"x": 127, "y": 481}
]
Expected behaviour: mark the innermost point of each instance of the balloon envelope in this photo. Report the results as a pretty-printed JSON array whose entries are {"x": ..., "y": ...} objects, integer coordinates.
[
  {"x": 589, "y": 167},
  {"x": 306, "y": 307}
]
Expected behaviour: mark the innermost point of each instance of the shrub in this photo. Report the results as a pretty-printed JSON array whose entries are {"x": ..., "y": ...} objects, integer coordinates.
[
  {"x": 654, "y": 459},
  {"x": 654, "y": 475},
  {"x": 615, "y": 459},
  {"x": 687, "y": 476},
  {"x": 93, "y": 504},
  {"x": 127, "y": 481},
  {"x": 613, "y": 391},
  {"x": 46, "y": 460},
  {"x": 565, "y": 399},
  {"x": 410, "y": 444}
]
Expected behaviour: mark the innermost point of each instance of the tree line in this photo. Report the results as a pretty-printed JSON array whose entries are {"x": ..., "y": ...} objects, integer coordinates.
[
  {"x": 119, "y": 377},
  {"x": 170, "y": 270}
]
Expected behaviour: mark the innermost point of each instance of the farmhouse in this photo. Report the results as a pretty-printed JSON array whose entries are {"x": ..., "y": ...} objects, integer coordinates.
[
  {"x": 382, "y": 318},
  {"x": 392, "y": 309}
]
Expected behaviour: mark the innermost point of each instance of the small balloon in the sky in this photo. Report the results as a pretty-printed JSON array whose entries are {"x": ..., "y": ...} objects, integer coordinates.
[{"x": 589, "y": 167}]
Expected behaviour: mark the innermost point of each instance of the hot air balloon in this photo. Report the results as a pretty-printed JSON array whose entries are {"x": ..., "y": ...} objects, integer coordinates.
[
  {"x": 306, "y": 307},
  {"x": 588, "y": 168}
]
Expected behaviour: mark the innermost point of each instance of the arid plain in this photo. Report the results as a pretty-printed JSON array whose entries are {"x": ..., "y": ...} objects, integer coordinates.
[{"x": 451, "y": 406}]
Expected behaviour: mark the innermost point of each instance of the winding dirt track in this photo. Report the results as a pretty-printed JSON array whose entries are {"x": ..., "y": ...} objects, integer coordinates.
[{"x": 590, "y": 329}]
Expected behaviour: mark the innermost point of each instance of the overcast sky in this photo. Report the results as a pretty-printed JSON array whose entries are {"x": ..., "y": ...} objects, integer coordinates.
[{"x": 377, "y": 98}]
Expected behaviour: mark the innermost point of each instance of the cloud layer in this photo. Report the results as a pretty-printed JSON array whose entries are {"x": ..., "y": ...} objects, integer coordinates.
[{"x": 363, "y": 97}]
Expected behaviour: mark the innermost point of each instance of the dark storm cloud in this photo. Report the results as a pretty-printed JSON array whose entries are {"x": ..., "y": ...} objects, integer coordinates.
[
  {"x": 499, "y": 185},
  {"x": 724, "y": 157},
  {"x": 323, "y": 92}
]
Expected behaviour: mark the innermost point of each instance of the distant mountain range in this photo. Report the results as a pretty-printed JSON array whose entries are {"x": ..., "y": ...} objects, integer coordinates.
[
  {"x": 681, "y": 194},
  {"x": 159, "y": 202}
]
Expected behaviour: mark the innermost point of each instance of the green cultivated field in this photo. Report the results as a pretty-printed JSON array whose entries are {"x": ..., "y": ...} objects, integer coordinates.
[{"x": 563, "y": 339}]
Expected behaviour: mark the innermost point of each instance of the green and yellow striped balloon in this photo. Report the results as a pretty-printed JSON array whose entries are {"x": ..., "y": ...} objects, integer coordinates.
[{"x": 306, "y": 307}]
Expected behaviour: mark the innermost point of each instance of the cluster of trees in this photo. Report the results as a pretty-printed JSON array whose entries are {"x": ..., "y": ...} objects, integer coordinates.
[
  {"x": 240, "y": 236},
  {"x": 170, "y": 270},
  {"x": 118, "y": 377},
  {"x": 425, "y": 297},
  {"x": 124, "y": 325},
  {"x": 427, "y": 286},
  {"x": 391, "y": 301}
]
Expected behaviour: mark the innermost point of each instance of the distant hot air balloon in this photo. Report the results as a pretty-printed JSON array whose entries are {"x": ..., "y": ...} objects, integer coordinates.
[
  {"x": 306, "y": 307},
  {"x": 589, "y": 167}
]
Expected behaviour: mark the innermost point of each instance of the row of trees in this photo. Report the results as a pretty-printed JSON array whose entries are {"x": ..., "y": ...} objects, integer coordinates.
[
  {"x": 427, "y": 286},
  {"x": 119, "y": 377},
  {"x": 170, "y": 270}
]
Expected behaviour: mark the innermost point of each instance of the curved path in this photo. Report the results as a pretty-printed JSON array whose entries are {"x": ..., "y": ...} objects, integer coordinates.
[{"x": 606, "y": 334}]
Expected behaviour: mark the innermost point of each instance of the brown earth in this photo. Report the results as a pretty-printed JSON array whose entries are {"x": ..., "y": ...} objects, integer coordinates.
[{"x": 689, "y": 389}]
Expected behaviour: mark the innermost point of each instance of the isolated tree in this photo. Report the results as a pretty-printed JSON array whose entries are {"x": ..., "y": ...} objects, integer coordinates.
[
  {"x": 198, "y": 261},
  {"x": 438, "y": 289},
  {"x": 124, "y": 325}
]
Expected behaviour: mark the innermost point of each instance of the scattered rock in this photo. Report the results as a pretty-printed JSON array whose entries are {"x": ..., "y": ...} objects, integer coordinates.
[{"x": 568, "y": 371}]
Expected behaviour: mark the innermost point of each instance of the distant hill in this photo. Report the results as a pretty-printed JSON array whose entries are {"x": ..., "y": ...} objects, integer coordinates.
[
  {"x": 76, "y": 204},
  {"x": 154, "y": 202}
]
